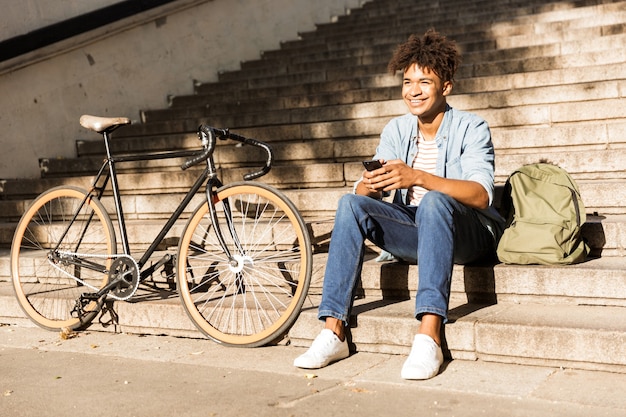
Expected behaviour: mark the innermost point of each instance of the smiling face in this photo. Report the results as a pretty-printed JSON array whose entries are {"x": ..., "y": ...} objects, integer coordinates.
[{"x": 424, "y": 93}]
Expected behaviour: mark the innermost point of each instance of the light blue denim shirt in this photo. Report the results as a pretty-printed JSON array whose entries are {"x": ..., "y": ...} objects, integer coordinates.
[{"x": 465, "y": 153}]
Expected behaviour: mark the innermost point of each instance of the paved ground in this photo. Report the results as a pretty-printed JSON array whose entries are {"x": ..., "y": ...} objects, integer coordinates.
[{"x": 105, "y": 374}]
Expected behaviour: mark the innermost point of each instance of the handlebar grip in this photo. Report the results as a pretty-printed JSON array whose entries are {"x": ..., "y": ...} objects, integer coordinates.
[
  {"x": 195, "y": 160},
  {"x": 254, "y": 175},
  {"x": 207, "y": 134},
  {"x": 268, "y": 163}
]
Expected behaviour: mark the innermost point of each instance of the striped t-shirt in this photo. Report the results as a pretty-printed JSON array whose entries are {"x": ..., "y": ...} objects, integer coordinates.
[{"x": 426, "y": 160}]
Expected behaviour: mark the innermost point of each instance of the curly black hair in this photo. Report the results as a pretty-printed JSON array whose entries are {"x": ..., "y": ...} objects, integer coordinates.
[{"x": 433, "y": 51}]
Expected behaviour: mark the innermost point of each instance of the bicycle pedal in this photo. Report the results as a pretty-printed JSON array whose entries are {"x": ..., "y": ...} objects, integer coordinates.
[
  {"x": 79, "y": 307},
  {"x": 89, "y": 296}
]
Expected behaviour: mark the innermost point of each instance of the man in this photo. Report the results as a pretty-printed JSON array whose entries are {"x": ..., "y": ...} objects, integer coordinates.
[{"x": 440, "y": 162}]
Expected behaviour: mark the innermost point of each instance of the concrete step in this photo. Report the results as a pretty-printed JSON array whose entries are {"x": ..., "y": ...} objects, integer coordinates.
[
  {"x": 337, "y": 70},
  {"x": 597, "y": 172},
  {"x": 473, "y": 53},
  {"x": 476, "y": 11},
  {"x": 220, "y": 103},
  {"x": 597, "y": 282},
  {"x": 288, "y": 140},
  {"x": 145, "y": 215},
  {"x": 294, "y": 143},
  {"x": 216, "y": 104},
  {"x": 564, "y": 35},
  {"x": 338, "y": 175},
  {"x": 376, "y": 11},
  {"x": 236, "y": 90},
  {"x": 483, "y": 34},
  {"x": 514, "y": 146},
  {"x": 345, "y": 141},
  {"x": 542, "y": 114},
  {"x": 554, "y": 49},
  {"x": 564, "y": 334},
  {"x": 141, "y": 233},
  {"x": 582, "y": 92},
  {"x": 365, "y": 53},
  {"x": 152, "y": 310},
  {"x": 580, "y": 337},
  {"x": 216, "y": 96},
  {"x": 351, "y": 140},
  {"x": 316, "y": 168},
  {"x": 92, "y": 144},
  {"x": 605, "y": 234},
  {"x": 494, "y": 18},
  {"x": 175, "y": 181},
  {"x": 315, "y": 105},
  {"x": 588, "y": 161},
  {"x": 471, "y": 19},
  {"x": 581, "y": 137},
  {"x": 372, "y": 10}
]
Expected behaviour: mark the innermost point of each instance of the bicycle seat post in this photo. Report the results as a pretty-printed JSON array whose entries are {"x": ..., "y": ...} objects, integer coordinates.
[{"x": 106, "y": 135}]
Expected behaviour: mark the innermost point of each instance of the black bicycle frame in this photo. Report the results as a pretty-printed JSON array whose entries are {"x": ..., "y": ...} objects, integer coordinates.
[
  {"x": 208, "y": 175},
  {"x": 108, "y": 173}
]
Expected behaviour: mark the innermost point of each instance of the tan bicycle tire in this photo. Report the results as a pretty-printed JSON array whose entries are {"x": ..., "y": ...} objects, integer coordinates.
[
  {"x": 277, "y": 260},
  {"x": 45, "y": 293}
]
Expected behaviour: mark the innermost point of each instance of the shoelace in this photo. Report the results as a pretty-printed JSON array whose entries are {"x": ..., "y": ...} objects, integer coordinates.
[{"x": 323, "y": 344}]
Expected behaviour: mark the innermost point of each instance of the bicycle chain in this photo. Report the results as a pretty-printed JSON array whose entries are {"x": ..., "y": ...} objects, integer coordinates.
[{"x": 84, "y": 255}]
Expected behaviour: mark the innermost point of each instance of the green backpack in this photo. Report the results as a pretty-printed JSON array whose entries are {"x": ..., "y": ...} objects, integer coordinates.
[{"x": 544, "y": 213}]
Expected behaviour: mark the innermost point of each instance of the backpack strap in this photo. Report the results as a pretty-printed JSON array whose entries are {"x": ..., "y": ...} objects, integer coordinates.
[{"x": 506, "y": 209}]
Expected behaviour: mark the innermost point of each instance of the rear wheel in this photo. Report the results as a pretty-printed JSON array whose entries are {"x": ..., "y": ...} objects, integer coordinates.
[
  {"x": 255, "y": 297},
  {"x": 63, "y": 228}
]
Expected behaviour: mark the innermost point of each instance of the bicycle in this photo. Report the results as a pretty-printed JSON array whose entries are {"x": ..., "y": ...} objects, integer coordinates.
[{"x": 243, "y": 262}]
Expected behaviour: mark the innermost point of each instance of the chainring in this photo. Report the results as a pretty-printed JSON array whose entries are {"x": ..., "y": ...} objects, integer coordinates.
[{"x": 125, "y": 267}]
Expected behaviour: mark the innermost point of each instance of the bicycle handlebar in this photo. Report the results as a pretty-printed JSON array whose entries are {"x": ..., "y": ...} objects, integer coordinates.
[
  {"x": 208, "y": 136},
  {"x": 203, "y": 156}
]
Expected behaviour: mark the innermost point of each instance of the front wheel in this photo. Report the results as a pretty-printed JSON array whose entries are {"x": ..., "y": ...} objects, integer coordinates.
[
  {"x": 60, "y": 237},
  {"x": 254, "y": 297}
]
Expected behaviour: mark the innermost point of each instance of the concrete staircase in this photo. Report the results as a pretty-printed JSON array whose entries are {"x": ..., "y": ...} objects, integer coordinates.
[{"x": 549, "y": 77}]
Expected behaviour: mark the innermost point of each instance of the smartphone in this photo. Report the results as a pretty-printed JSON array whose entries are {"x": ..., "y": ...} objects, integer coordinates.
[{"x": 372, "y": 165}]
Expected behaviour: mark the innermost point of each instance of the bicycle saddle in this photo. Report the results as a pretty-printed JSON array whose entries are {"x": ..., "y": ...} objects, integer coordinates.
[{"x": 102, "y": 124}]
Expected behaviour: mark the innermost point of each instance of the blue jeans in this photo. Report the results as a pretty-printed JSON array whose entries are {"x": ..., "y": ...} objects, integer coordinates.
[{"x": 440, "y": 232}]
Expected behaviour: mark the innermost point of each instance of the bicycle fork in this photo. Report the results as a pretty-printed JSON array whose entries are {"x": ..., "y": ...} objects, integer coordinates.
[{"x": 236, "y": 262}]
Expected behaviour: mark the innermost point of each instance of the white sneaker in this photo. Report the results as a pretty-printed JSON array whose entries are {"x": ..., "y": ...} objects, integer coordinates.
[
  {"x": 424, "y": 360},
  {"x": 326, "y": 348}
]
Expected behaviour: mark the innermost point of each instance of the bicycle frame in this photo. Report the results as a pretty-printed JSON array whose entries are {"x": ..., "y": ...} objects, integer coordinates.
[{"x": 208, "y": 175}]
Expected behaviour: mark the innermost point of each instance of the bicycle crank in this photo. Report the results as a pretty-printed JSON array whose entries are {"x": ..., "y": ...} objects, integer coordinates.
[{"x": 124, "y": 274}]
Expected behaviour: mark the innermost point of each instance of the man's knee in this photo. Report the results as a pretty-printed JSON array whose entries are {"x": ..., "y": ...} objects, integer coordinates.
[
  {"x": 435, "y": 202},
  {"x": 350, "y": 202}
]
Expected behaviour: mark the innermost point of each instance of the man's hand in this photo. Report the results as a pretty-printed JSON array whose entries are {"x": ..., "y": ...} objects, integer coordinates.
[{"x": 395, "y": 174}]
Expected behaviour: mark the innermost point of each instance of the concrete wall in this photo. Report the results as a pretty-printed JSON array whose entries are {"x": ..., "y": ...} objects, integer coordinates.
[{"x": 135, "y": 65}]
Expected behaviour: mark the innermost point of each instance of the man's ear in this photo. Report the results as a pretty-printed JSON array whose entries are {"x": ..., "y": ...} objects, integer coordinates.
[{"x": 447, "y": 88}]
